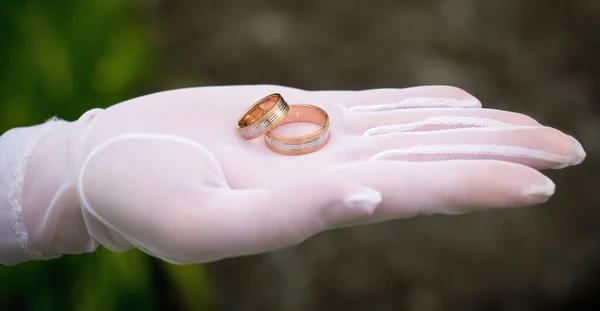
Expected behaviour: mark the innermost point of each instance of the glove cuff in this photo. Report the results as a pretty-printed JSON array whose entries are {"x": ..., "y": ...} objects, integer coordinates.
[
  {"x": 40, "y": 213},
  {"x": 16, "y": 146}
]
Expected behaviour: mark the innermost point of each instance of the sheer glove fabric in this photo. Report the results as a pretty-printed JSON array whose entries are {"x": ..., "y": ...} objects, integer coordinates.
[{"x": 169, "y": 174}]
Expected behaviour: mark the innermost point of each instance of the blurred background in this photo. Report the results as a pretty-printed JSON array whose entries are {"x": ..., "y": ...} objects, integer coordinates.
[{"x": 538, "y": 57}]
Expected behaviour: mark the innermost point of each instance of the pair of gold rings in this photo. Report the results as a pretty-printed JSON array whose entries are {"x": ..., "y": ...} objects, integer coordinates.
[{"x": 273, "y": 111}]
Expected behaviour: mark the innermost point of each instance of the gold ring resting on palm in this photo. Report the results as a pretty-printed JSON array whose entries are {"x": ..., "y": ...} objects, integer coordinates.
[
  {"x": 302, "y": 144},
  {"x": 263, "y": 116}
]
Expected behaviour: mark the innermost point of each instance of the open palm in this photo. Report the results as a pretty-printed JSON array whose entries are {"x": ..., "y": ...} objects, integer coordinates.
[{"x": 168, "y": 173}]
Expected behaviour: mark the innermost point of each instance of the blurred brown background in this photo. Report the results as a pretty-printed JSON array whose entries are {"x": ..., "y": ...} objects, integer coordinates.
[{"x": 535, "y": 57}]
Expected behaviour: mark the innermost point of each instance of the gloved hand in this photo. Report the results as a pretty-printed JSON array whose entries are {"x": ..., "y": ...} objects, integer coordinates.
[{"x": 169, "y": 173}]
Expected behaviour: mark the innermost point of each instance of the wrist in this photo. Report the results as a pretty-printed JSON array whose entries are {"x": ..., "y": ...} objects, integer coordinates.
[
  {"x": 16, "y": 149},
  {"x": 52, "y": 215}
]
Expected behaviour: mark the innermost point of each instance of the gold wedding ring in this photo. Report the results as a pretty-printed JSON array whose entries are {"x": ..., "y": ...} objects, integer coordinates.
[
  {"x": 302, "y": 144},
  {"x": 263, "y": 116},
  {"x": 273, "y": 111}
]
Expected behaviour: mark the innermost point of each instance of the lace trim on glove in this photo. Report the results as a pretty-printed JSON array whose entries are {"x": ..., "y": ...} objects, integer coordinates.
[{"x": 17, "y": 209}]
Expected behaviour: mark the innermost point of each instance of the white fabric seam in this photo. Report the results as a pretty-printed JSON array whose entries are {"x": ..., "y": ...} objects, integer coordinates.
[
  {"x": 510, "y": 151},
  {"x": 419, "y": 102},
  {"x": 470, "y": 121},
  {"x": 472, "y": 129}
]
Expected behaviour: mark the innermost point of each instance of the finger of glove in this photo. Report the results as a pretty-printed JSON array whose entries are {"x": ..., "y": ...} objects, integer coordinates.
[
  {"x": 538, "y": 147},
  {"x": 431, "y": 119},
  {"x": 127, "y": 187},
  {"x": 241, "y": 222},
  {"x": 451, "y": 187},
  {"x": 393, "y": 99}
]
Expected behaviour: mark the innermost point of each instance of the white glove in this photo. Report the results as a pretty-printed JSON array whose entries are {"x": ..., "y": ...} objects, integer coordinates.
[{"x": 169, "y": 173}]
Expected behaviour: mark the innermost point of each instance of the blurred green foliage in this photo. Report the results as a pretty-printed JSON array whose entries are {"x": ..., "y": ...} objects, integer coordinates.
[{"x": 62, "y": 58}]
